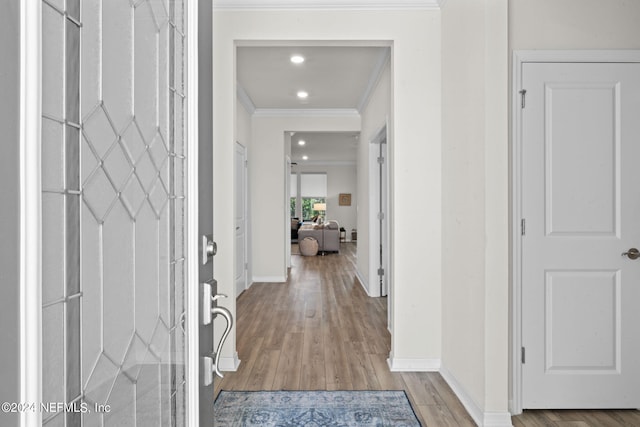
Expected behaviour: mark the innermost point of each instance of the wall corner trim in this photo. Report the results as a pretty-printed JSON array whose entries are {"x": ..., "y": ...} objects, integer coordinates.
[
  {"x": 230, "y": 364},
  {"x": 397, "y": 364},
  {"x": 497, "y": 419},
  {"x": 481, "y": 418},
  {"x": 244, "y": 99},
  {"x": 374, "y": 78},
  {"x": 362, "y": 282}
]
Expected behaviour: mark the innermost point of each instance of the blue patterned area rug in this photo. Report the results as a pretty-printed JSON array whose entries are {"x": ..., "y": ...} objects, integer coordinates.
[{"x": 313, "y": 409}]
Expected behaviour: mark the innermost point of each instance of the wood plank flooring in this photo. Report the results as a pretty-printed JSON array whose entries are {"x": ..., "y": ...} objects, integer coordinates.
[
  {"x": 573, "y": 418},
  {"x": 320, "y": 331}
]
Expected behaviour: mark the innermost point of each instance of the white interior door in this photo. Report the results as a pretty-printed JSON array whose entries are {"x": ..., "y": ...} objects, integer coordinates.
[
  {"x": 581, "y": 211},
  {"x": 241, "y": 217}
]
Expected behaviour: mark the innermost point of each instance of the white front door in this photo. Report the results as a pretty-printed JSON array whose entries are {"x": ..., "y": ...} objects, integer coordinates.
[
  {"x": 241, "y": 218},
  {"x": 581, "y": 211}
]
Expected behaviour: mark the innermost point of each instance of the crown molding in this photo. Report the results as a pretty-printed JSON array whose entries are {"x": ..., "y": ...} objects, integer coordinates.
[
  {"x": 303, "y": 163},
  {"x": 327, "y": 4},
  {"x": 306, "y": 112},
  {"x": 245, "y": 99},
  {"x": 384, "y": 57}
]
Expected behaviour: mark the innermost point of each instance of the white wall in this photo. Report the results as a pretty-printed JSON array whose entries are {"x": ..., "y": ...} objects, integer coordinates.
[
  {"x": 463, "y": 193},
  {"x": 475, "y": 207},
  {"x": 415, "y": 153},
  {"x": 574, "y": 24},
  {"x": 340, "y": 179},
  {"x": 374, "y": 117}
]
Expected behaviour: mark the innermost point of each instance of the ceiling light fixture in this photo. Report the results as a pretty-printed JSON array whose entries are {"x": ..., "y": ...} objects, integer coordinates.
[
  {"x": 305, "y": 157},
  {"x": 302, "y": 94},
  {"x": 297, "y": 59},
  {"x": 302, "y": 142}
]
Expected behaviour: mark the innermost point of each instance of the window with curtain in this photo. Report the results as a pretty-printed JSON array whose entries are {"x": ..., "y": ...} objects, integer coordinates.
[{"x": 313, "y": 190}]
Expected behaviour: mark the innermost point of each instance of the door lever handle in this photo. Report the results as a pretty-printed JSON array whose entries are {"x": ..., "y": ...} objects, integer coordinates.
[
  {"x": 227, "y": 315},
  {"x": 632, "y": 253},
  {"x": 218, "y": 296}
]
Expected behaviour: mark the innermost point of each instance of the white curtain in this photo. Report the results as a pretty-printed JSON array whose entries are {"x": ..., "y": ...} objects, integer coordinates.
[{"x": 313, "y": 185}]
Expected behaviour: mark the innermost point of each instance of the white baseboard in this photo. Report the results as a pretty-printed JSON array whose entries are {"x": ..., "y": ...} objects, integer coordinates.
[
  {"x": 497, "y": 419},
  {"x": 230, "y": 364},
  {"x": 269, "y": 279},
  {"x": 413, "y": 365},
  {"x": 481, "y": 418},
  {"x": 363, "y": 283}
]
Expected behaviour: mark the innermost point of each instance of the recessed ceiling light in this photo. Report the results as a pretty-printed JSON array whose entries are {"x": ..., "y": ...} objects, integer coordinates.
[
  {"x": 302, "y": 142},
  {"x": 297, "y": 59},
  {"x": 302, "y": 94},
  {"x": 305, "y": 157}
]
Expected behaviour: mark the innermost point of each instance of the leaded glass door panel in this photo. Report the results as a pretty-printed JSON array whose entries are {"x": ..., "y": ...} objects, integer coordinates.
[{"x": 113, "y": 212}]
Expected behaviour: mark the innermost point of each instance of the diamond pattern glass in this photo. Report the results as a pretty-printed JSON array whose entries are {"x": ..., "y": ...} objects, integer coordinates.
[
  {"x": 52, "y": 150},
  {"x": 113, "y": 167}
]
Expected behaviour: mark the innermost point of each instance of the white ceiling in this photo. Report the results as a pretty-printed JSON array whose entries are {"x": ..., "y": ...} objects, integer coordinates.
[
  {"x": 325, "y": 147},
  {"x": 337, "y": 78}
]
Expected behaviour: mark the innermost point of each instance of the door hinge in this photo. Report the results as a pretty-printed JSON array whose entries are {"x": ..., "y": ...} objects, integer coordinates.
[
  {"x": 523, "y": 93},
  {"x": 381, "y": 160},
  {"x": 381, "y": 271},
  {"x": 246, "y": 163},
  {"x": 523, "y": 226},
  {"x": 246, "y": 265},
  {"x": 380, "y": 216},
  {"x": 522, "y": 358}
]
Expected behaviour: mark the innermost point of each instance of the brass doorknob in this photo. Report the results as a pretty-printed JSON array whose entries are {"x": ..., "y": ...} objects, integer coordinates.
[{"x": 632, "y": 253}]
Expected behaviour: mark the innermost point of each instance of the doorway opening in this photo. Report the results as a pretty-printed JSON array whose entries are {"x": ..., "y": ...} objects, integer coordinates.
[{"x": 316, "y": 115}]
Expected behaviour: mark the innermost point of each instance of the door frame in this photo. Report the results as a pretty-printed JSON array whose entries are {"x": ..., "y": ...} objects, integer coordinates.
[
  {"x": 31, "y": 212},
  {"x": 192, "y": 283},
  {"x": 520, "y": 57},
  {"x": 242, "y": 150},
  {"x": 287, "y": 217},
  {"x": 382, "y": 134}
]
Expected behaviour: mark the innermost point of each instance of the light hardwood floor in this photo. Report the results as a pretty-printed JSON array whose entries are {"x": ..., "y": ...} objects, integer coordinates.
[{"x": 320, "y": 331}]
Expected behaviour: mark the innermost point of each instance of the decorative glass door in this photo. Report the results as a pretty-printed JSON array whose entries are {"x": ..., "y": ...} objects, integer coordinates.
[{"x": 113, "y": 212}]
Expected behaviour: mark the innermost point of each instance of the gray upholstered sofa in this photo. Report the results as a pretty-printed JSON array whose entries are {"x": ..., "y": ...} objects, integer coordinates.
[{"x": 327, "y": 235}]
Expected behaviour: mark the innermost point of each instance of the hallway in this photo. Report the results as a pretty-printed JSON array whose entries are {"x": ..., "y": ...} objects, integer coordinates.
[{"x": 320, "y": 331}]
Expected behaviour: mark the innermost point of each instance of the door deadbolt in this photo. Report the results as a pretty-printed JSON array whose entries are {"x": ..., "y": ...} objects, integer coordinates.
[{"x": 209, "y": 248}]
